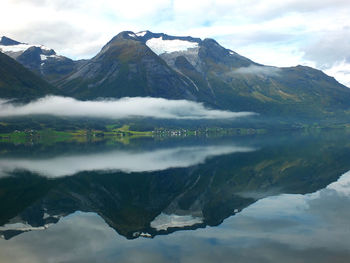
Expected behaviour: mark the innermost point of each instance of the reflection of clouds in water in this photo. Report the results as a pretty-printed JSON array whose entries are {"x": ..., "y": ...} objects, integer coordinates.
[
  {"x": 342, "y": 185},
  {"x": 67, "y": 241},
  {"x": 284, "y": 228},
  {"x": 125, "y": 161},
  {"x": 298, "y": 220},
  {"x": 118, "y": 108}
]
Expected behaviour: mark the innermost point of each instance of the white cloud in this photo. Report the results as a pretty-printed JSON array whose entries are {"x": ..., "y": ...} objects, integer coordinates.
[
  {"x": 342, "y": 72},
  {"x": 268, "y": 71},
  {"x": 118, "y": 109}
]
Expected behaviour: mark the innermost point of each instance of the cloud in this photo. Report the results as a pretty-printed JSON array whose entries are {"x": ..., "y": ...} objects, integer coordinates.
[
  {"x": 58, "y": 4},
  {"x": 341, "y": 70},
  {"x": 257, "y": 36},
  {"x": 126, "y": 161},
  {"x": 257, "y": 70},
  {"x": 329, "y": 48},
  {"x": 118, "y": 109},
  {"x": 66, "y": 43},
  {"x": 4, "y": 101}
]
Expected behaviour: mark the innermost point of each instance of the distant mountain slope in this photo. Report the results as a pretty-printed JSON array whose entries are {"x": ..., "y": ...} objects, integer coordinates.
[
  {"x": 18, "y": 82},
  {"x": 238, "y": 83},
  {"x": 159, "y": 65},
  {"x": 38, "y": 58}
]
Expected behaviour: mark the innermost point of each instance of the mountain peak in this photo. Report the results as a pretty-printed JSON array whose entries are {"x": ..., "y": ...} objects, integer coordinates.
[
  {"x": 210, "y": 40},
  {"x": 5, "y": 41},
  {"x": 122, "y": 36}
]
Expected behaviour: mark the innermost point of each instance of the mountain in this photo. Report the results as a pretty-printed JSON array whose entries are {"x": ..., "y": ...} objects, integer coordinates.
[
  {"x": 160, "y": 65},
  {"x": 18, "y": 82},
  {"x": 38, "y": 58},
  {"x": 137, "y": 65},
  {"x": 125, "y": 67}
]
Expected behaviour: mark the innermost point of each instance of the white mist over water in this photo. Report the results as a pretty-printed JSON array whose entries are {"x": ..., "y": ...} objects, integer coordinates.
[
  {"x": 117, "y": 109},
  {"x": 119, "y": 160}
]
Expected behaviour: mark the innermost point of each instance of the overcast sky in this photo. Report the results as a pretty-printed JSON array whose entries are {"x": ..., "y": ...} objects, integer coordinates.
[{"x": 273, "y": 32}]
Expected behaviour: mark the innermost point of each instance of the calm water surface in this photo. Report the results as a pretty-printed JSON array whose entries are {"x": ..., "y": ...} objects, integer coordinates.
[{"x": 263, "y": 198}]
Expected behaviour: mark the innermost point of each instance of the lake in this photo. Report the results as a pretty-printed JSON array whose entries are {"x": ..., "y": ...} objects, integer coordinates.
[{"x": 281, "y": 197}]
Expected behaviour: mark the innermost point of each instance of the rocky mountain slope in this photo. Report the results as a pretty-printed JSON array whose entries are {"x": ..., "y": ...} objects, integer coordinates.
[
  {"x": 159, "y": 65},
  {"x": 18, "y": 82}
]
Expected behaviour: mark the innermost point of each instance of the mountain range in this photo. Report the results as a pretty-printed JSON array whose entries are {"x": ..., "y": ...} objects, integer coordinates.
[{"x": 159, "y": 65}]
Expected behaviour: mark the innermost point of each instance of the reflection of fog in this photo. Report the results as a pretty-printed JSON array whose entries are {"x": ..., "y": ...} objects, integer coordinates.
[
  {"x": 126, "y": 161},
  {"x": 284, "y": 228}
]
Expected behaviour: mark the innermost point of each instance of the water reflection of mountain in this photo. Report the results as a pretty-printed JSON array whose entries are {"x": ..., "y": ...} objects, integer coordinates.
[{"x": 162, "y": 201}]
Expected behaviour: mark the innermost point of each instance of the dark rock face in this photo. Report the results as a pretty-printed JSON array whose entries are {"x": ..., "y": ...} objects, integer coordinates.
[
  {"x": 8, "y": 41},
  {"x": 46, "y": 63},
  {"x": 31, "y": 58}
]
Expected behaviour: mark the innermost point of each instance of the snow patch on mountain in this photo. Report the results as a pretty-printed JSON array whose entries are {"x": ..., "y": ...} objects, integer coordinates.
[
  {"x": 160, "y": 46},
  {"x": 44, "y": 57},
  {"x": 20, "y": 48},
  {"x": 141, "y": 34},
  {"x": 43, "y": 47},
  {"x": 132, "y": 35},
  {"x": 15, "y": 48},
  {"x": 165, "y": 221}
]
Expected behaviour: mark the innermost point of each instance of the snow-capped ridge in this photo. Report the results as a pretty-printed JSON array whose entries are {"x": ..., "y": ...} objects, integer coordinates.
[
  {"x": 21, "y": 48},
  {"x": 45, "y": 57},
  {"x": 160, "y": 45},
  {"x": 14, "y": 48},
  {"x": 132, "y": 35},
  {"x": 141, "y": 33}
]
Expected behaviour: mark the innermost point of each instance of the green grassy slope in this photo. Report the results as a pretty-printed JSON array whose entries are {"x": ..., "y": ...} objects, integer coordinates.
[{"x": 18, "y": 82}]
